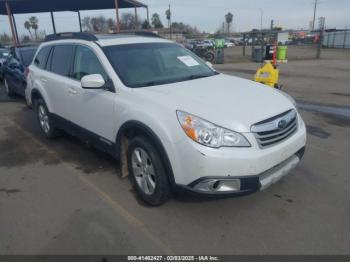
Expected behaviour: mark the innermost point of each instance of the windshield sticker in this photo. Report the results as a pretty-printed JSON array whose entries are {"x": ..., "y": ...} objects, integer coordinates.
[{"x": 187, "y": 60}]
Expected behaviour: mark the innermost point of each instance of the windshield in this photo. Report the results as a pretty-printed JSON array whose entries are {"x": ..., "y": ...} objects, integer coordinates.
[
  {"x": 27, "y": 55},
  {"x": 148, "y": 64}
]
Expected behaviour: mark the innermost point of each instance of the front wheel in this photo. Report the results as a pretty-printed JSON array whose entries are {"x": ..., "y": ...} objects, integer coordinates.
[{"x": 147, "y": 172}]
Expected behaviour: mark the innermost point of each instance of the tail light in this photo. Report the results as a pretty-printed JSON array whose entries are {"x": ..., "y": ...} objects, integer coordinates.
[{"x": 26, "y": 72}]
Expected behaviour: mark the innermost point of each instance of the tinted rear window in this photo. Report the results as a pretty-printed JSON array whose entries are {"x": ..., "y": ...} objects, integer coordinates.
[
  {"x": 61, "y": 59},
  {"x": 40, "y": 59},
  {"x": 27, "y": 55}
]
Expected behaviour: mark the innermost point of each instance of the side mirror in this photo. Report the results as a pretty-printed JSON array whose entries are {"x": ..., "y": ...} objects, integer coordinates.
[
  {"x": 94, "y": 81},
  {"x": 210, "y": 65}
]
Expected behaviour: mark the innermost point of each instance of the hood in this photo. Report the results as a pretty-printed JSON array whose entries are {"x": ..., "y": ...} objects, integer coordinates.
[{"x": 230, "y": 102}]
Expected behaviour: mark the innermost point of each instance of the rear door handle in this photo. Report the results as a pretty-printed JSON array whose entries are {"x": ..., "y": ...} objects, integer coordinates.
[{"x": 44, "y": 80}]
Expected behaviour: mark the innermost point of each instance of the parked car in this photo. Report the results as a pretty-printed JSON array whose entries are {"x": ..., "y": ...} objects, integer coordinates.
[
  {"x": 229, "y": 44},
  {"x": 4, "y": 52},
  {"x": 15, "y": 68},
  {"x": 174, "y": 123}
]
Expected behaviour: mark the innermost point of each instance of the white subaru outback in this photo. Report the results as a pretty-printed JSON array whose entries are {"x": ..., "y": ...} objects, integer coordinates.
[{"x": 174, "y": 123}]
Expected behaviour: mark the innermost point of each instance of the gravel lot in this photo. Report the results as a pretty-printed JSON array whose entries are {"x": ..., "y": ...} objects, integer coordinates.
[{"x": 64, "y": 197}]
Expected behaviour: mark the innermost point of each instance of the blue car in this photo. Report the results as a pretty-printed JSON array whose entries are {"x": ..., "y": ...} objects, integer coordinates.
[{"x": 15, "y": 68}]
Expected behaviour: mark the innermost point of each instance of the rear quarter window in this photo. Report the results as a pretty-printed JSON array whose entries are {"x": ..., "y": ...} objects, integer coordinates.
[{"x": 27, "y": 55}]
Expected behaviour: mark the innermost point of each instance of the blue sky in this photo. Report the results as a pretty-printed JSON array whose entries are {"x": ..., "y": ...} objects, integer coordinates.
[{"x": 208, "y": 15}]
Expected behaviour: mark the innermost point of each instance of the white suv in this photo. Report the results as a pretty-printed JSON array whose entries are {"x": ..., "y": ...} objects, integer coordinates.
[{"x": 173, "y": 122}]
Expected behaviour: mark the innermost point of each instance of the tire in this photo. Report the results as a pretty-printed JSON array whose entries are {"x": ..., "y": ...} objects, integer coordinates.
[
  {"x": 147, "y": 172},
  {"x": 8, "y": 89},
  {"x": 44, "y": 120},
  {"x": 210, "y": 57}
]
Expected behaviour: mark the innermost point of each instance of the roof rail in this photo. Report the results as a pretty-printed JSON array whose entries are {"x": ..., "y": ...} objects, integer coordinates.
[
  {"x": 140, "y": 33},
  {"x": 148, "y": 34},
  {"x": 71, "y": 35}
]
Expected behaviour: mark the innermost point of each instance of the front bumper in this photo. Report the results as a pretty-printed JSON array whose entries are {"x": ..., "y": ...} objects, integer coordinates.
[{"x": 244, "y": 185}]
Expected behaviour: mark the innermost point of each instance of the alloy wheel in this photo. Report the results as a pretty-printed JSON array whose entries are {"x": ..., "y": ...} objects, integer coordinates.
[
  {"x": 143, "y": 171},
  {"x": 43, "y": 119}
]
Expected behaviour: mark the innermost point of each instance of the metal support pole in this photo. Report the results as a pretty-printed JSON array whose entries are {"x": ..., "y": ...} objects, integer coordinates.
[
  {"x": 53, "y": 23},
  {"x": 117, "y": 23},
  {"x": 15, "y": 26},
  {"x": 253, "y": 44},
  {"x": 315, "y": 9},
  {"x": 148, "y": 15},
  {"x": 318, "y": 55},
  {"x": 244, "y": 44},
  {"x": 262, "y": 46},
  {"x": 135, "y": 17},
  {"x": 14, "y": 37},
  {"x": 81, "y": 29},
  {"x": 345, "y": 35}
]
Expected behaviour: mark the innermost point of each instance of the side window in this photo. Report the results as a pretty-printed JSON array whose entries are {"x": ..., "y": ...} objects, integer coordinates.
[
  {"x": 40, "y": 59},
  {"x": 61, "y": 59},
  {"x": 87, "y": 63}
]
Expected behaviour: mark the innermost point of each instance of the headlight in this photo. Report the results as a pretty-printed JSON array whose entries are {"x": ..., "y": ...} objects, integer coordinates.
[
  {"x": 291, "y": 99},
  {"x": 208, "y": 134}
]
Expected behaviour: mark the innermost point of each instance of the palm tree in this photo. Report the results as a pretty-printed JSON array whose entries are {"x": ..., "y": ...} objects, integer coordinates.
[
  {"x": 228, "y": 18},
  {"x": 156, "y": 22},
  {"x": 168, "y": 16},
  {"x": 33, "y": 20},
  {"x": 28, "y": 26}
]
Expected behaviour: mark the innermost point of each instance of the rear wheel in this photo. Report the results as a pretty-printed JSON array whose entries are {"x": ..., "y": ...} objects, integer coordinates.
[
  {"x": 147, "y": 172},
  {"x": 8, "y": 89},
  {"x": 44, "y": 119}
]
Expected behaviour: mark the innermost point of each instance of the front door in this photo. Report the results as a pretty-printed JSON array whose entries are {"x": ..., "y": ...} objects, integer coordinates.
[{"x": 95, "y": 108}]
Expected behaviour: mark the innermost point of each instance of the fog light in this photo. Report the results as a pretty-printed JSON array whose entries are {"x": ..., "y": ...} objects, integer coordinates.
[{"x": 218, "y": 185}]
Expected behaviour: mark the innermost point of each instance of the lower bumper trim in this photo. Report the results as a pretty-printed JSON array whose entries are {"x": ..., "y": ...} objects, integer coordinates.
[{"x": 248, "y": 184}]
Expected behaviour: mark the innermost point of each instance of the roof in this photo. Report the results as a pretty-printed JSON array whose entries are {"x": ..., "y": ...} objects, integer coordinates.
[
  {"x": 130, "y": 39},
  {"x": 38, "y": 6},
  {"x": 107, "y": 39}
]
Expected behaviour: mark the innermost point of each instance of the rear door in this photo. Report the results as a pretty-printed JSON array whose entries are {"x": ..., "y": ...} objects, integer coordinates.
[{"x": 57, "y": 80}]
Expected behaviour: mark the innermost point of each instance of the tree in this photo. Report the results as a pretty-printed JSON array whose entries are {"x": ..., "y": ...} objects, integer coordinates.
[
  {"x": 110, "y": 24},
  {"x": 168, "y": 16},
  {"x": 26, "y": 39},
  {"x": 145, "y": 25},
  {"x": 99, "y": 24},
  {"x": 86, "y": 24},
  {"x": 156, "y": 22},
  {"x": 34, "y": 24},
  {"x": 27, "y": 26},
  {"x": 5, "y": 39},
  {"x": 127, "y": 21},
  {"x": 184, "y": 28},
  {"x": 228, "y": 18}
]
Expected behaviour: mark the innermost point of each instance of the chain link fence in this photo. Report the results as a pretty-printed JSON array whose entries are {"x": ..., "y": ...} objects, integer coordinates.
[
  {"x": 301, "y": 45},
  {"x": 338, "y": 39}
]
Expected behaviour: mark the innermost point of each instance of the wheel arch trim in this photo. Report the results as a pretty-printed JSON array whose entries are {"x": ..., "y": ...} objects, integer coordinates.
[{"x": 154, "y": 139}]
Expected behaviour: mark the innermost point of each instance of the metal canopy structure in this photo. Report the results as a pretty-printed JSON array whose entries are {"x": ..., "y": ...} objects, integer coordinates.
[{"x": 11, "y": 7}]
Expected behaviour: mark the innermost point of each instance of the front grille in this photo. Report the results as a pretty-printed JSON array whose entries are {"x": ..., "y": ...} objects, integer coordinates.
[{"x": 276, "y": 129}]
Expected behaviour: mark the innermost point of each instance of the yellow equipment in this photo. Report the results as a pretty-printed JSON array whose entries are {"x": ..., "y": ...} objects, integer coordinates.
[{"x": 268, "y": 74}]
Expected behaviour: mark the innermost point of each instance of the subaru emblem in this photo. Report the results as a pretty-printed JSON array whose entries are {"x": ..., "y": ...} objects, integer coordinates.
[{"x": 282, "y": 124}]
